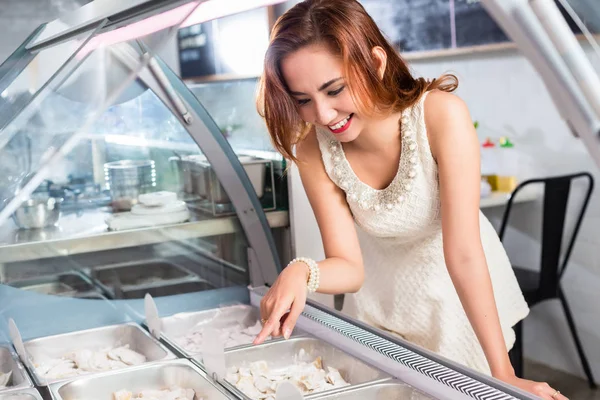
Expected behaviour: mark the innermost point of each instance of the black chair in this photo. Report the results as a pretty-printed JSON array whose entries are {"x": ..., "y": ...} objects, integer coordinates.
[{"x": 542, "y": 285}]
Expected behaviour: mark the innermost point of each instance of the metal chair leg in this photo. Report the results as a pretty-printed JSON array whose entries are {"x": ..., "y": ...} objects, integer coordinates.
[
  {"x": 516, "y": 353},
  {"x": 582, "y": 357}
]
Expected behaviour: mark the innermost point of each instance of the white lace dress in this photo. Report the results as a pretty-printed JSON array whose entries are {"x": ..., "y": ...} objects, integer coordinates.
[{"x": 407, "y": 288}]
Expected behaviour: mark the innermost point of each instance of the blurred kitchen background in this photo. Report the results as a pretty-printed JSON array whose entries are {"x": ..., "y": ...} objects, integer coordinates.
[{"x": 522, "y": 136}]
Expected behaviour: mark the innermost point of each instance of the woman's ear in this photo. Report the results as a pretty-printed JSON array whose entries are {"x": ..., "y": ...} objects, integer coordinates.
[{"x": 380, "y": 59}]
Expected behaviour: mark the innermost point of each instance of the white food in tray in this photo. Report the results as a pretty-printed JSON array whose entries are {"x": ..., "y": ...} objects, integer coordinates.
[
  {"x": 232, "y": 336},
  {"x": 84, "y": 361},
  {"x": 260, "y": 382}
]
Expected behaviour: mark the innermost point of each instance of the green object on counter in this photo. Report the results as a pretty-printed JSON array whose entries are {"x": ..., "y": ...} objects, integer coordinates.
[{"x": 505, "y": 142}]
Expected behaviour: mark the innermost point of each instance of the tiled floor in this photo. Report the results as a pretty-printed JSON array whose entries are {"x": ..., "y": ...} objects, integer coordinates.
[{"x": 571, "y": 386}]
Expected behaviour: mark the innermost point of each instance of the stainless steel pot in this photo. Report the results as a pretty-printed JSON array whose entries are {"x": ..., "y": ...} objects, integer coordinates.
[
  {"x": 191, "y": 174},
  {"x": 127, "y": 179},
  {"x": 198, "y": 177},
  {"x": 37, "y": 213}
]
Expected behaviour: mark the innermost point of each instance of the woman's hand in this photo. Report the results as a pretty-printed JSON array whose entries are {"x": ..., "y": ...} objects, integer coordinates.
[
  {"x": 540, "y": 389},
  {"x": 283, "y": 303}
]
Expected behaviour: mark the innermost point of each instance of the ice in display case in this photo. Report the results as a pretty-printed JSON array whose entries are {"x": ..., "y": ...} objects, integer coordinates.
[{"x": 113, "y": 170}]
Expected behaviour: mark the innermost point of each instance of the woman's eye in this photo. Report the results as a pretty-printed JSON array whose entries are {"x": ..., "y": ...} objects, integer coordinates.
[
  {"x": 336, "y": 92},
  {"x": 302, "y": 102}
]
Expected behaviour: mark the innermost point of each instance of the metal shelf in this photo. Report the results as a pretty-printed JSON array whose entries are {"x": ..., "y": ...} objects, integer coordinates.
[{"x": 87, "y": 232}]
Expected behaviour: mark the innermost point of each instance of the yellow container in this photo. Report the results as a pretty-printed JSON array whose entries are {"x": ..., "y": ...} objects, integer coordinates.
[{"x": 502, "y": 183}]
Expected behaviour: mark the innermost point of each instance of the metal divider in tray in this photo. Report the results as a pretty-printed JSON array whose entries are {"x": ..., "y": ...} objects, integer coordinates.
[
  {"x": 24, "y": 394},
  {"x": 175, "y": 374},
  {"x": 132, "y": 280},
  {"x": 66, "y": 356},
  {"x": 291, "y": 360},
  {"x": 13, "y": 376},
  {"x": 238, "y": 324},
  {"x": 389, "y": 390}
]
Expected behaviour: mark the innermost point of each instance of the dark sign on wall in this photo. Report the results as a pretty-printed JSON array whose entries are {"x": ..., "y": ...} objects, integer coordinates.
[{"x": 196, "y": 50}]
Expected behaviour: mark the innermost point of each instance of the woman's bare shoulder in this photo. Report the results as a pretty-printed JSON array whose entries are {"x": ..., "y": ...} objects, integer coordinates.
[
  {"x": 443, "y": 104},
  {"x": 447, "y": 119}
]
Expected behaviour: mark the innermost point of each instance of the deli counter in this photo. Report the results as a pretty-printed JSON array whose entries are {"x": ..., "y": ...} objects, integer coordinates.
[{"x": 136, "y": 243}]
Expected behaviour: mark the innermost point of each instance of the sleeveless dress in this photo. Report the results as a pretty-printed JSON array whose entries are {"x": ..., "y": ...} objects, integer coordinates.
[{"x": 407, "y": 289}]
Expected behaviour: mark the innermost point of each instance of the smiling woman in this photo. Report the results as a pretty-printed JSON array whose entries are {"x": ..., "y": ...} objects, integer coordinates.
[{"x": 390, "y": 165}]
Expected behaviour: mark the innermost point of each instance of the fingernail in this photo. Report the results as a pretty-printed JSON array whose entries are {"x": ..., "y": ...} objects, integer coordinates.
[{"x": 287, "y": 333}]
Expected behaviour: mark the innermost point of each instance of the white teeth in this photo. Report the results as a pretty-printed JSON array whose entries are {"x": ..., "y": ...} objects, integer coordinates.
[{"x": 340, "y": 124}]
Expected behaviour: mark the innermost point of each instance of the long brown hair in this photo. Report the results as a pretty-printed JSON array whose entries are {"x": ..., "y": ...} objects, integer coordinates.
[{"x": 350, "y": 33}]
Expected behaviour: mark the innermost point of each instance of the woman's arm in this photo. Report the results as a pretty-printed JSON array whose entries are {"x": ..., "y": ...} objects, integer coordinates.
[
  {"x": 455, "y": 147},
  {"x": 342, "y": 270}
]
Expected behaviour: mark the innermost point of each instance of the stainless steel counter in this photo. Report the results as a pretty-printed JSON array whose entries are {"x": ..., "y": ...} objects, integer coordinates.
[{"x": 87, "y": 232}]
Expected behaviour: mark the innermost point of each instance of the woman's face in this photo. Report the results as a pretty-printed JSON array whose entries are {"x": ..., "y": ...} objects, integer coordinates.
[{"x": 315, "y": 79}]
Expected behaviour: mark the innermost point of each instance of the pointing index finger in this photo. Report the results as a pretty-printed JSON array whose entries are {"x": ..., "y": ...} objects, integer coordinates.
[{"x": 272, "y": 323}]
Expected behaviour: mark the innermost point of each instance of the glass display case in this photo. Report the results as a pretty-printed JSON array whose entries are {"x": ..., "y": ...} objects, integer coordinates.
[{"x": 136, "y": 241}]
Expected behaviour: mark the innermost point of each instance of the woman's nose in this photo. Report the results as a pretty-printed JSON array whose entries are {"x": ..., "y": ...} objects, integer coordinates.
[{"x": 325, "y": 114}]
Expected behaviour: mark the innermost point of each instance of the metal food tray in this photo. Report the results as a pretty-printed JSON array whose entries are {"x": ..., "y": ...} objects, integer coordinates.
[
  {"x": 118, "y": 279},
  {"x": 69, "y": 284},
  {"x": 24, "y": 394},
  {"x": 180, "y": 324},
  {"x": 109, "y": 336},
  {"x": 19, "y": 378},
  {"x": 153, "y": 376},
  {"x": 280, "y": 354},
  {"x": 391, "y": 390}
]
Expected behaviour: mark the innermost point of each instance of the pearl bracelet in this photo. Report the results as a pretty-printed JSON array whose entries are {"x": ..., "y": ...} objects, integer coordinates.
[{"x": 313, "y": 272}]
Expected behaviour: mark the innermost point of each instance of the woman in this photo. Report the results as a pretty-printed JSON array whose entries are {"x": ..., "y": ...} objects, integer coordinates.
[{"x": 391, "y": 168}]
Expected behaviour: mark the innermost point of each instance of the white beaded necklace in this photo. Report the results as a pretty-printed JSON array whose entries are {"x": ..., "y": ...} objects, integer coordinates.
[{"x": 364, "y": 195}]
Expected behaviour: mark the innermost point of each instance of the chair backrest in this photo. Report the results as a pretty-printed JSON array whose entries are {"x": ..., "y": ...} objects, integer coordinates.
[{"x": 556, "y": 195}]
